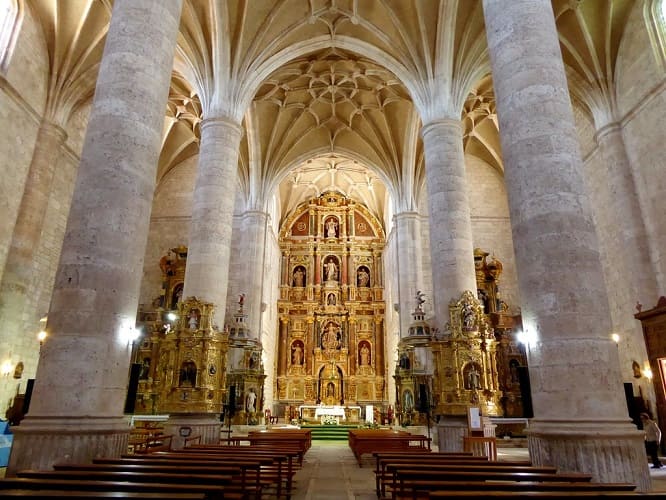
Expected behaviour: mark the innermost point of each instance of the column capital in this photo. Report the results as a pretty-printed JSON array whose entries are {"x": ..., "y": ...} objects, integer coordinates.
[{"x": 220, "y": 121}]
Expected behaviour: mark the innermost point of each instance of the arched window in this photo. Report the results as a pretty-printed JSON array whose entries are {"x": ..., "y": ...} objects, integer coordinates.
[
  {"x": 11, "y": 14},
  {"x": 655, "y": 19}
]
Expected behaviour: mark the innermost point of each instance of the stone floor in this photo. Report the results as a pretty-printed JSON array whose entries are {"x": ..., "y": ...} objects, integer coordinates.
[{"x": 330, "y": 472}]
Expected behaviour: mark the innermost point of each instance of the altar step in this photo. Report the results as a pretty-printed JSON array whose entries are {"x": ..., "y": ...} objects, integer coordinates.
[{"x": 329, "y": 432}]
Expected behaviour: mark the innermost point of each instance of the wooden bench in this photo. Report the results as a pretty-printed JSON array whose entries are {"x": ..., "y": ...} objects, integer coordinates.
[
  {"x": 404, "y": 473},
  {"x": 77, "y": 486},
  {"x": 250, "y": 465},
  {"x": 284, "y": 469},
  {"x": 453, "y": 495},
  {"x": 161, "y": 442},
  {"x": 385, "y": 474},
  {"x": 91, "y": 495},
  {"x": 421, "y": 456},
  {"x": 362, "y": 441},
  {"x": 278, "y": 438}
]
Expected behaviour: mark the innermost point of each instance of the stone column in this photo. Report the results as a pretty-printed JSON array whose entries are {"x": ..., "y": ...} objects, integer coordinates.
[
  {"x": 207, "y": 272},
  {"x": 624, "y": 243},
  {"x": 581, "y": 421},
  {"x": 253, "y": 254},
  {"x": 19, "y": 267},
  {"x": 408, "y": 239},
  {"x": 451, "y": 245},
  {"x": 81, "y": 383}
]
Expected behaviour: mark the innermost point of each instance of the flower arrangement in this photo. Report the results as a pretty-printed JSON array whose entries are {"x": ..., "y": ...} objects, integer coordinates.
[{"x": 329, "y": 420}]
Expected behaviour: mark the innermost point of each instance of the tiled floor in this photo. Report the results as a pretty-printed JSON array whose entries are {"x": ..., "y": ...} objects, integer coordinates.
[{"x": 330, "y": 472}]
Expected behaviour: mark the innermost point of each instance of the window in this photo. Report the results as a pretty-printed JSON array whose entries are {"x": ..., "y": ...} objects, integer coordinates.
[{"x": 10, "y": 21}]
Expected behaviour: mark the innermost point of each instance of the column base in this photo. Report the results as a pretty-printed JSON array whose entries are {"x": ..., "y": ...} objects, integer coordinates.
[
  {"x": 450, "y": 433},
  {"x": 182, "y": 426},
  {"x": 40, "y": 442},
  {"x": 612, "y": 451}
]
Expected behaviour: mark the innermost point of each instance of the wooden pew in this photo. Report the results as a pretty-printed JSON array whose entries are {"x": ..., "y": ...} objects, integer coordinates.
[
  {"x": 404, "y": 473},
  {"x": 287, "y": 438},
  {"x": 91, "y": 495},
  {"x": 250, "y": 465},
  {"x": 454, "y": 495},
  {"x": 284, "y": 469},
  {"x": 362, "y": 441},
  {"x": 211, "y": 492},
  {"x": 421, "y": 456}
]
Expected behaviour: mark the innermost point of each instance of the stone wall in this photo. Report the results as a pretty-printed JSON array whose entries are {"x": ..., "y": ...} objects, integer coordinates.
[
  {"x": 169, "y": 223},
  {"x": 491, "y": 225}
]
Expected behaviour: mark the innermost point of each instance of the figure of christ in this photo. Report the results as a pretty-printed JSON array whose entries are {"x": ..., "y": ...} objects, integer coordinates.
[{"x": 331, "y": 270}]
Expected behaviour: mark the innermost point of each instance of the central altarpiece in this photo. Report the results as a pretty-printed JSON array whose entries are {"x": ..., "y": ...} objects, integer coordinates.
[{"x": 331, "y": 306}]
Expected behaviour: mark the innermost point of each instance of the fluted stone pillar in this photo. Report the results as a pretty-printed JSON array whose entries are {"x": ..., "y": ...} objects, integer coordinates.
[
  {"x": 451, "y": 244},
  {"x": 19, "y": 266},
  {"x": 255, "y": 224},
  {"x": 408, "y": 227},
  {"x": 207, "y": 272},
  {"x": 81, "y": 384},
  {"x": 581, "y": 421}
]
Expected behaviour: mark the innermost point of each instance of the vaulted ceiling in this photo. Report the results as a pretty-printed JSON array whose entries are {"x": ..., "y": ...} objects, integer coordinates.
[{"x": 332, "y": 93}]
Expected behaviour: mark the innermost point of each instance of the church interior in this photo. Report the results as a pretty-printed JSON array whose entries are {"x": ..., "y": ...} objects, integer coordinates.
[{"x": 398, "y": 210}]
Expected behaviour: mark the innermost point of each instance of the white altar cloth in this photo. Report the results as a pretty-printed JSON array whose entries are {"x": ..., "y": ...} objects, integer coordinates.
[{"x": 336, "y": 411}]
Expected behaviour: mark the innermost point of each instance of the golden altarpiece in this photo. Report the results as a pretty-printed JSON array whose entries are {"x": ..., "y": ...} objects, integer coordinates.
[
  {"x": 473, "y": 362},
  {"x": 188, "y": 364},
  {"x": 331, "y": 308}
]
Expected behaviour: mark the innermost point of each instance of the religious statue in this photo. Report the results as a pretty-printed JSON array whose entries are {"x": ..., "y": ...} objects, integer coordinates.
[
  {"x": 297, "y": 355},
  {"x": 408, "y": 401},
  {"x": 299, "y": 277},
  {"x": 468, "y": 316},
  {"x": 330, "y": 338},
  {"x": 250, "y": 401},
  {"x": 331, "y": 228},
  {"x": 363, "y": 278},
  {"x": 330, "y": 390},
  {"x": 365, "y": 355},
  {"x": 473, "y": 378},
  {"x": 193, "y": 321},
  {"x": 331, "y": 270},
  {"x": 331, "y": 299},
  {"x": 420, "y": 300},
  {"x": 241, "y": 300}
]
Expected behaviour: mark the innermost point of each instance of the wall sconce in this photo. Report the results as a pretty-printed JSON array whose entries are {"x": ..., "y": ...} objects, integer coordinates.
[
  {"x": 616, "y": 338},
  {"x": 41, "y": 336},
  {"x": 526, "y": 337},
  {"x": 172, "y": 316}
]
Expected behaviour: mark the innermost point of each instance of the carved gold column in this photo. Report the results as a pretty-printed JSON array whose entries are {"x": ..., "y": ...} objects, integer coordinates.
[
  {"x": 353, "y": 362},
  {"x": 317, "y": 268},
  {"x": 343, "y": 260},
  {"x": 309, "y": 339},
  {"x": 379, "y": 345},
  {"x": 283, "y": 352}
]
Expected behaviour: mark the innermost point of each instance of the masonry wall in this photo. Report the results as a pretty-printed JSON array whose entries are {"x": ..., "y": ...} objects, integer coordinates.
[{"x": 169, "y": 223}]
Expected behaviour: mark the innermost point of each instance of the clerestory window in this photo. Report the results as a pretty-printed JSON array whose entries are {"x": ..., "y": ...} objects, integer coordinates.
[{"x": 10, "y": 22}]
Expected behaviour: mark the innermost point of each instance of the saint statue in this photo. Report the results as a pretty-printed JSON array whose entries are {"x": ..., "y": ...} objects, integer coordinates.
[
  {"x": 330, "y": 338},
  {"x": 473, "y": 378},
  {"x": 363, "y": 278},
  {"x": 250, "y": 402},
  {"x": 299, "y": 276},
  {"x": 420, "y": 300},
  {"x": 331, "y": 227},
  {"x": 331, "y": 270},
  {"x": 297, "y": 355},
  {"x": 365, "y": 355}
]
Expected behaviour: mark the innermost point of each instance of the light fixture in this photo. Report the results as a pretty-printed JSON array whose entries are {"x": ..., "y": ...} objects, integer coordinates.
[
  {"x": 526, "y": 337},
  {"x": 616, "y": 338},
  {"x": 6, "y": 368},
  {"x": 129, "y": 333},
  {"x": 171, "y": 316},
  {"x": 41, "y": 336},
  {"x": 647, "y": 372}
]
